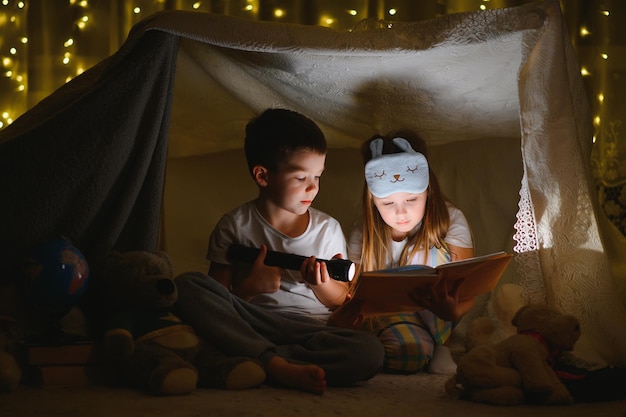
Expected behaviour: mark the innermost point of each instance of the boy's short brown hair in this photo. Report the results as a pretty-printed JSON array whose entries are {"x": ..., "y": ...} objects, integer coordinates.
[{"x": 275, "y": 133}]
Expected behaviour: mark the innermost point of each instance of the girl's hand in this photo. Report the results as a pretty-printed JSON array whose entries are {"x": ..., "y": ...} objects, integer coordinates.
[
  {"x": 347, "y": 315},
  {"x": 442, "y": 300}
]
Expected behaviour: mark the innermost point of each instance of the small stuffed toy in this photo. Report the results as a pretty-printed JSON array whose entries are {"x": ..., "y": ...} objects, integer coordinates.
[
  {"x": 519, "y": 368},
  {"x": 10, "y": 372},
  {"x": 153, "y": 348}
]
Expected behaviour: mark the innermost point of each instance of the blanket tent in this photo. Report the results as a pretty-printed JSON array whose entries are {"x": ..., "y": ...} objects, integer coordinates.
[{"x": 143, "y": 150}]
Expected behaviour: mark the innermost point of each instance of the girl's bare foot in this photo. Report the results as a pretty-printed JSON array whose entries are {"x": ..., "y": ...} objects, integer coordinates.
[{"x": 308, "y": 378}]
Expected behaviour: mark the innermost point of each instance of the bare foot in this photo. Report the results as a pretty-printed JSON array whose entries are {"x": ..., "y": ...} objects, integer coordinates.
[{"x": 308, "y": 378}]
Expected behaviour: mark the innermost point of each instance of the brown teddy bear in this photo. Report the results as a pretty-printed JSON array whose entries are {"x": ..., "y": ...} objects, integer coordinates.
[
  {"x": 152, "y": 347},
  {"x": 10, "y": 372},
  {"x": 518, "y": 369}
]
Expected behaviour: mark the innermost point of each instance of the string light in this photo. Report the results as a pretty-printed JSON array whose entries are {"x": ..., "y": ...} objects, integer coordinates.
[
  {"x": 82, "y": 22},
  {"x": 13, "y": 49},
  {"x": 13, "y": 57},
  {"x": 326, "y": 21}
]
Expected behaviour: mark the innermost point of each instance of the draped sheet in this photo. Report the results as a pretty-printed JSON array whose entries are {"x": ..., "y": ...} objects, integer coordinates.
[{"x": 88, "y": 162}]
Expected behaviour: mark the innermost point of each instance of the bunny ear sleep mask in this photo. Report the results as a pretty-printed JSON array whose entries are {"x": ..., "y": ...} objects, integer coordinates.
[{"x": 406, "y": 171}]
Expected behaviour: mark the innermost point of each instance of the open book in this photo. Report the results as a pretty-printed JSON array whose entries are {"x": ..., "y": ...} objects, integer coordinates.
[{"x": 388, "y": 291}]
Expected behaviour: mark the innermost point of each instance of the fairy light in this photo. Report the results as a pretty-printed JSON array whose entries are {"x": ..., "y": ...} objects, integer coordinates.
[
  {"x": 82, "y": 22},
  {"x": 584, "y": 32},
  {"x": 596, "y": 121},
  {"x": 326, "y": 20},
  {"x": 13, "y": 61},
  {"x": 12, "y": 57}
]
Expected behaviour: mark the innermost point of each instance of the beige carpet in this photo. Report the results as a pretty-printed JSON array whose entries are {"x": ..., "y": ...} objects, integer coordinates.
[{"x": 384, "y": 395}]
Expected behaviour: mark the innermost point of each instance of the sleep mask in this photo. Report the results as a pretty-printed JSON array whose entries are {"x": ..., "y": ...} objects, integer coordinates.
[{"x": 403, "y": 172}]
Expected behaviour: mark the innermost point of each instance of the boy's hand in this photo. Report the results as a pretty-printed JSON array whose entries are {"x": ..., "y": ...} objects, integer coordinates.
[
  {"x": 330, "y": 292},
  {"x": 314, "y": 272},
  {"x": 262, "y": 279}
]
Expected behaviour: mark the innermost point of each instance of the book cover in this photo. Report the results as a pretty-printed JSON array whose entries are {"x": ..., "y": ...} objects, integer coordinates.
[{"x": 388, "y": 291}]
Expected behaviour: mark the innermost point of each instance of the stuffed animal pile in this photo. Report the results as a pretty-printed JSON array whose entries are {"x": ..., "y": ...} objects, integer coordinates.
[
  {"x": 152, "y": 348},
  {"x": 518, "y": 369}
]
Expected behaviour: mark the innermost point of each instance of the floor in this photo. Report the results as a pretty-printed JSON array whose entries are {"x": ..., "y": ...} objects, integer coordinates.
[{"x": 384, "y": 395}]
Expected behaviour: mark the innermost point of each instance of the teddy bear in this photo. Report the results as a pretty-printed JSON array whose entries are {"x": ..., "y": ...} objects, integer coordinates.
[
  {"x": 10, "y": 371},
  {"x": 518, "y": 369},
  {"x": 152, "y": 348}
]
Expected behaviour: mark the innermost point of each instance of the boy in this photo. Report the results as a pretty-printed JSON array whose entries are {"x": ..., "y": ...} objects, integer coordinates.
[
  {"x": 286, "y": 153},
  {"x": 284, "y": 323}
]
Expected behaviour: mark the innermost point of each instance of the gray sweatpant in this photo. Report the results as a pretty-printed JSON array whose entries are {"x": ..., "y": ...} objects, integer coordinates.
[{"x": 239, "y": 328}]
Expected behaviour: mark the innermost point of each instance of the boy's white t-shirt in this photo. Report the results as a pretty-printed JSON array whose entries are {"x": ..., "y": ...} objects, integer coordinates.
[
  {"x": 244, "y": 225},
  {"x": 459, "y": 234}
]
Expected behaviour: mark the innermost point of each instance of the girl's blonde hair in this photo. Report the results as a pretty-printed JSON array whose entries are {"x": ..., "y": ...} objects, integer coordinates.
[{"x": 376, "y": 252}]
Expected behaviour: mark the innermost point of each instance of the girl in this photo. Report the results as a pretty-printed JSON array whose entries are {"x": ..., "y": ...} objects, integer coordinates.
[{"x": 407, "y": 220}]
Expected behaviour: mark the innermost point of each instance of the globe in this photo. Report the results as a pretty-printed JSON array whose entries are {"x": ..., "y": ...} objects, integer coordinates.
[{"x": 55, "y": 276}]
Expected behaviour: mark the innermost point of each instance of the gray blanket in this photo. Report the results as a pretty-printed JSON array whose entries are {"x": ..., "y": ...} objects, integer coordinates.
[{"x": 88, "y": 162}]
